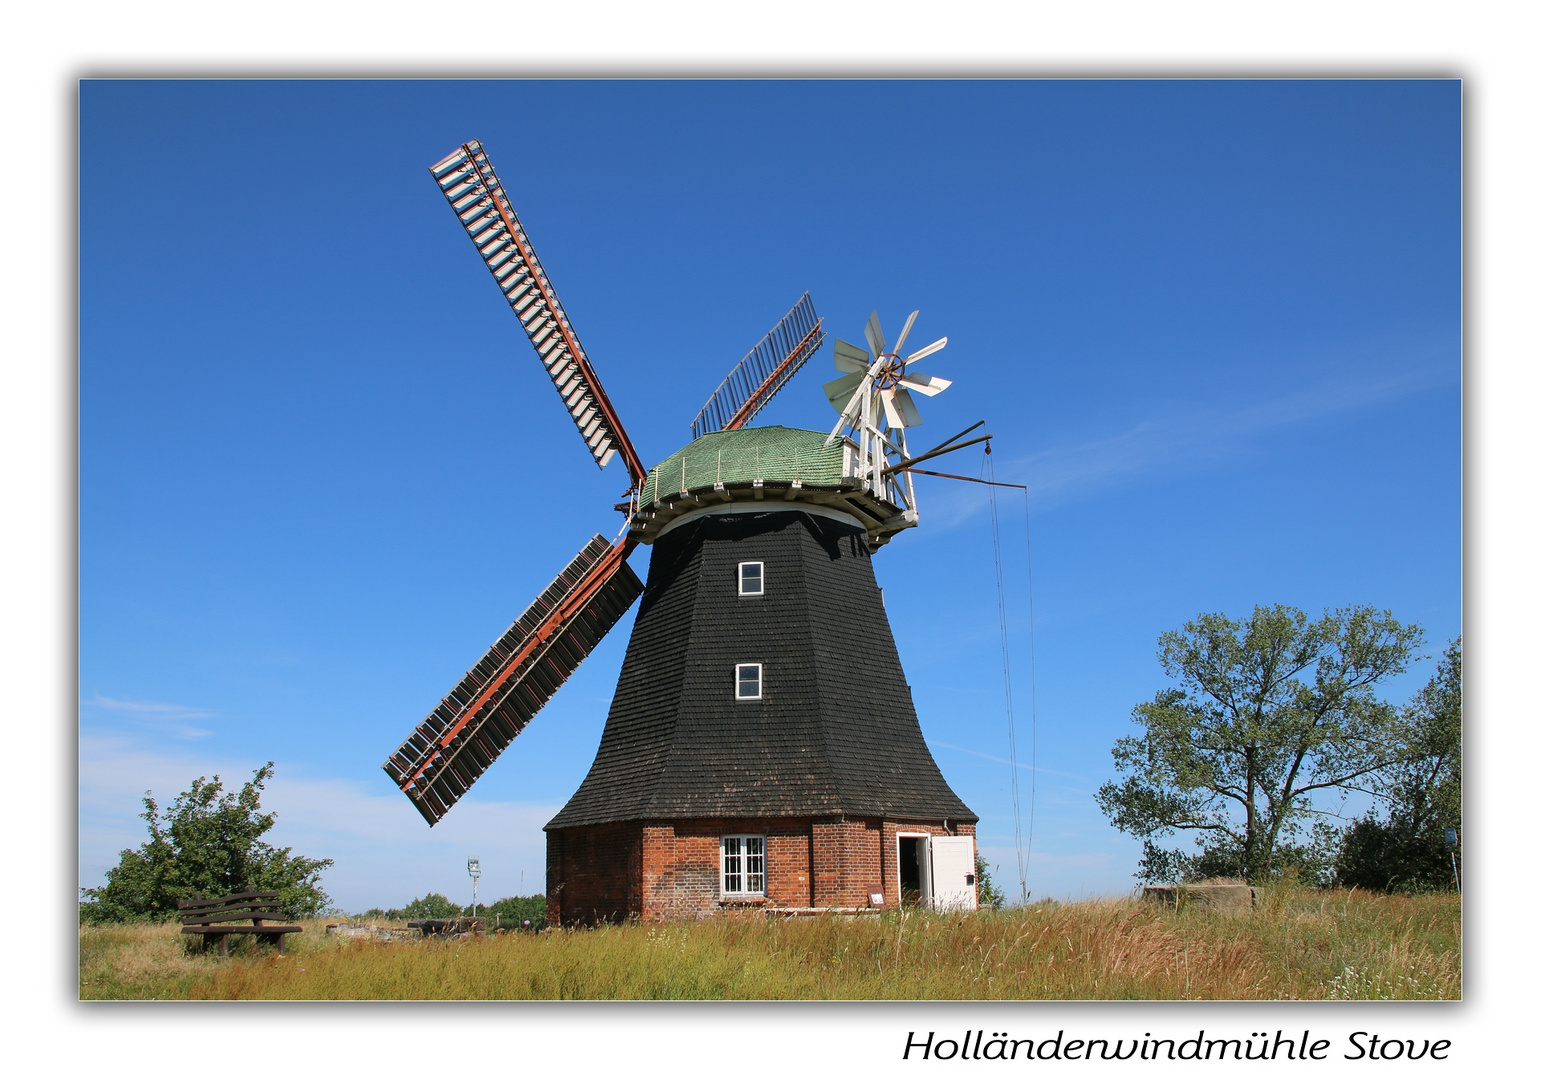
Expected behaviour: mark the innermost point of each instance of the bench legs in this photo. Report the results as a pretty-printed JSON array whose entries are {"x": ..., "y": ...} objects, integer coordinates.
[
  {"x": 281, "y": 940},
  {"x": 224, "y": 943}
]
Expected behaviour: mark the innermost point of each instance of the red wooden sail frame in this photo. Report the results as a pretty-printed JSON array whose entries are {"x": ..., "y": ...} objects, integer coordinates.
[{"x": 582, "y": 593}]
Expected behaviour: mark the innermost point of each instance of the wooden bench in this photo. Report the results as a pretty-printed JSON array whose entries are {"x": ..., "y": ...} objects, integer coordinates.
[{"x": 215, "y": 918}]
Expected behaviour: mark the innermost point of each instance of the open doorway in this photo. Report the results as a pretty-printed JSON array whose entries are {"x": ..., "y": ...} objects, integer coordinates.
[
  {"x": 937, "y": 872},
  {"x": 914, "y": 869}
]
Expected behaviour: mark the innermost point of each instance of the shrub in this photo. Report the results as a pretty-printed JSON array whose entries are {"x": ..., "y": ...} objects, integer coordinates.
[
  {"x": 989, "y": 892},
  {"x": 1393, "y": 856},
  {"x": 514, "y": 910},
  {"x": 1421, "y": 792},
  {"x": 206, "y": 844}
]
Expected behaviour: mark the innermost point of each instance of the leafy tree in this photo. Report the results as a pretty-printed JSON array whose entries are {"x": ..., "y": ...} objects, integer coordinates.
[
  {"x": 1267, "y": 713},
  {"x": 1421, "y": 792},
  {"x": 433, "y": 906},
  {"x": 206, "y": 844}
]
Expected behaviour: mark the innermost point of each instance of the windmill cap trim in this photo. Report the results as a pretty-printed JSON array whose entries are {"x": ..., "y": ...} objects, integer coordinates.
[
  {"x": 764, "y": 468},
  {"x": 761, "y": 508}
]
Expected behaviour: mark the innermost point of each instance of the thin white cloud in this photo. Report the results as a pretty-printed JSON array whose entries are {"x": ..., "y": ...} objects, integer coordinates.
[
  {"x": 146, "y": 708},
  {"x": 1188, "y": 434},
  {"x": 156, "y": 714},
  {"x": 1183, "y": 435},
  {"x": 1020, "y": 765}
]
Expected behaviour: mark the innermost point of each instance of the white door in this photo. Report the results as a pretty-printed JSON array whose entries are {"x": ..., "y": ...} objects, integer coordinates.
[{"x": 952, "y": 873}]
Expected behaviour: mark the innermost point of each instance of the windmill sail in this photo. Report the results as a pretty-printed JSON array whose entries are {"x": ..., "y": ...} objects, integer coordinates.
[
  {"x": 477, "y": 720},
  {"x": 763, "y": 372},
  {"x": 467, "y": 180}
]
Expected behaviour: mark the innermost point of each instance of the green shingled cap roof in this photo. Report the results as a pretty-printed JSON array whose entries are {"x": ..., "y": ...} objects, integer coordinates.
[{"x": 775, "y": 454}]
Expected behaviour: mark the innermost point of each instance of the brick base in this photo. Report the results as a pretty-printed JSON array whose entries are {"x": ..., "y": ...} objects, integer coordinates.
[{"x": 671, "y": 870}]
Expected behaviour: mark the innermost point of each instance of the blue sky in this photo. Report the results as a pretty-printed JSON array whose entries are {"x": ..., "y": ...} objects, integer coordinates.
[{"x": 1214, "y": 326}]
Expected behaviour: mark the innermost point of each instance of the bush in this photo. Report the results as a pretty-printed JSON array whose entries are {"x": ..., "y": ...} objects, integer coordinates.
[
  {"x": 512, "y": 911},
  {"x": 989, "y": 892},
  {"x": 1391, "y": 856},
  {"x": 206, "y": 844},
  {"x": 1421, "y": 792}
]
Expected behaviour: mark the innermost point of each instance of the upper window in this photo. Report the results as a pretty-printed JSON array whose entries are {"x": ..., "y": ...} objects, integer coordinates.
[
  {"x": 747, "y": 682},
  {"x": 751, "y": 579},
  {"x": 743, "y": 865}
]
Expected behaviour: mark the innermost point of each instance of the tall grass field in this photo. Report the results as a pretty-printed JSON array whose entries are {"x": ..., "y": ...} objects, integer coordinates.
[{"x": 1295, "y": 944}]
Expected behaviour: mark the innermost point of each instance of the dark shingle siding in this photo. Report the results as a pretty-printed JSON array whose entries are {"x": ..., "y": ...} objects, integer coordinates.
[{"x": 836, "y": 732}]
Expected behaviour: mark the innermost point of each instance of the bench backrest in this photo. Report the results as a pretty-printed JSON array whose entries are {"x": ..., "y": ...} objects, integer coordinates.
[{"x": 241, "y": 905}]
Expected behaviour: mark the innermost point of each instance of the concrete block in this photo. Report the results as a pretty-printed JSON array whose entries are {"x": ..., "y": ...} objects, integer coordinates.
[{"x": 1220, "y": 895}]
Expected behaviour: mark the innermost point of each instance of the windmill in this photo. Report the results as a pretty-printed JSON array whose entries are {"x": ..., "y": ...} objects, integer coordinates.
[{"x": 762, "y": 747}]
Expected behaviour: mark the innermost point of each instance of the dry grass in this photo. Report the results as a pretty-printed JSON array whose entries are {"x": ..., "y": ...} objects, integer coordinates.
[
  {"x": 156, "y": 961},
  {"x": 1296, "y": 944}
]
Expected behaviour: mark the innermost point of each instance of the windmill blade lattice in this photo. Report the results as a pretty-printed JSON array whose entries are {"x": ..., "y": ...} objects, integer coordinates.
[
  {"x": 477, "y": 720},
  {"x": 763, "y": 372},
  {"x": 476, "y": 195}
]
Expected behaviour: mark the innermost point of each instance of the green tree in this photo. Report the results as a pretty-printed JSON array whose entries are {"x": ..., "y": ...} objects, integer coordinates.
[
  {"x": 1266, "y": 713},
  {"x": 1420, "y": 792},
  {"x": 206, "y": 844},
  {"x": 433, "y": 906},
  {"x": 989, "y": 892},
  {"x": 513, "y": 911}
]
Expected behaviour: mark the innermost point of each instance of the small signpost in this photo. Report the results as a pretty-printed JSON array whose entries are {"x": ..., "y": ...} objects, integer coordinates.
[
  {"x": 1452, "y": 841},
  {"x": 474, "y": 868}
]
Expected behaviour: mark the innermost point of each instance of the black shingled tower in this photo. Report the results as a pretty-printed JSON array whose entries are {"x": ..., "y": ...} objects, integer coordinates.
[{"x": 834, "y": 738}]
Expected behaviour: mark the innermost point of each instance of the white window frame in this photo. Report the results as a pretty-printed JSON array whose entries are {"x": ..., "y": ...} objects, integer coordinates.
[
  {"x": 736, "y": 864},
  {"x": 759, "y": 682},
  {"x": 741, "y": 590}
]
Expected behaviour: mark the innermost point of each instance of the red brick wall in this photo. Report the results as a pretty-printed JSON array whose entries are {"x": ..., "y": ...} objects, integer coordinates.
[
  {"x": 682, "y": 864},
  {"x": 789, "y": 863},
  {"x": 679, "y": 871},
  {"x": 671, "y": 870},
  {"x": 593, "y": 874},
  {"x": 847, "y": 862}
]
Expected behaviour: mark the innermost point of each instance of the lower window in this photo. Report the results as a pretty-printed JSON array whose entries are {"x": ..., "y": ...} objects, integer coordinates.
[{"x": 743, "y": 866}]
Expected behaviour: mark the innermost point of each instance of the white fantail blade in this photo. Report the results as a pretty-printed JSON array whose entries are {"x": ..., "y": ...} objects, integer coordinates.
[
  {"x": 851, "y": 358},
  {"x": 840, "y": 390},
  {"x": 899, "y": 345},
  {"x": 900, "y": 409},
  {"x": 850, "y": 415},
  {"x": 935, "y": 346},
  {"x": 875, "y": 335},
  {"x": 930, "y": 385}
]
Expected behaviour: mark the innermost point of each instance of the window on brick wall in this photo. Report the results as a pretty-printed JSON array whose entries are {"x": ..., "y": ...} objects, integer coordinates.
[{"x": 743, "y": 866}]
